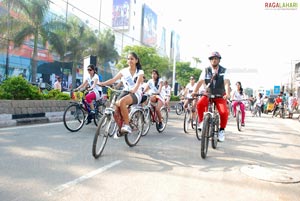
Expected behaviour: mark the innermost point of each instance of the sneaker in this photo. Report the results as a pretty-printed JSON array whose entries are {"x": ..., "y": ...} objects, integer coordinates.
[
  {"x": 160, "y": 125},
  {"x": 200, "y": 125},
  {"x": 243, "y": 124},
  {"x": 221, "y": 136},
  {"x": 125, "y": 129},
  {"x": 88, "y": 122}
]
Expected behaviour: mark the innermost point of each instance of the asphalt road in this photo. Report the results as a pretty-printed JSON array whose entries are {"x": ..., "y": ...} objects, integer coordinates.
[{"x": 47, "y": 162}]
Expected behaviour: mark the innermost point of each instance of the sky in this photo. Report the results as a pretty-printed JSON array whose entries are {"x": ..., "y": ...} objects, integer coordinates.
[
  {"x": 258, "y": 46},
  {"x": 262, "y": 45}
]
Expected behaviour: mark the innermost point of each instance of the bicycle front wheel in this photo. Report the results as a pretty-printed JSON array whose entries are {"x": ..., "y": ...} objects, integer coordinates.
[
  {"x": 136, "y": 123},
  {"x": 164, "y": 116},
  {"x": 74, "y": 117},
  {"x": 187, "y": 120},
  {"x": 147, "y": 121},
  {"x": 101, "y": 136},
  {"x": 205, "y": 135},
  {"x": 239, "y": 120},
  {"x": 215, "y": 132},
  {"x": 178, "y": 108}
]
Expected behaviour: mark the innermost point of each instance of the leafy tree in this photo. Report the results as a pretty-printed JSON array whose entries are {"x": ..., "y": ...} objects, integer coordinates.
[
  {"x": 184, "y": 72},
  {"x": 149, "y": 59},
  {"x": 33, "y": 16},
  {"x": 106, "y": 50}
]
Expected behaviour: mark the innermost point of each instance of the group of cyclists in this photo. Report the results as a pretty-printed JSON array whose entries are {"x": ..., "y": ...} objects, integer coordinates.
[{"x": 213, "y": 80}]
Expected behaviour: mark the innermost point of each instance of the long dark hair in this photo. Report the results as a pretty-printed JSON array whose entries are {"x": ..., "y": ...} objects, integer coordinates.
[
  {"x": 92, "y": 66},
  {"x": 156, "y": 81},
  {"x": 241, "y": 88},
  {"x": 138, "y": 64}
]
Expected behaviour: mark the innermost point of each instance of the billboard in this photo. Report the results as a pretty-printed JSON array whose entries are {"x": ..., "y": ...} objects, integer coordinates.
[
  {"x": 120, "y": 14},
  {"x": 149, "y": 27}
]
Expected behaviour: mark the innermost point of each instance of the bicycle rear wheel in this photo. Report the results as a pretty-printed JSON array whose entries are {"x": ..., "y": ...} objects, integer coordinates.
[
  {"x": 101, "y": 136},
  {"x": 74, "y": 117},
  {"x": 178, "y": 108},
  {"x": 136, "y": 123},
  {"x": 187, "y": 121},
  {"x": 205, "y": 135},
  {"x": 147, "y": 121},
  {"x": 164, "y": 116},
  {"x": 239, "y": 120}
]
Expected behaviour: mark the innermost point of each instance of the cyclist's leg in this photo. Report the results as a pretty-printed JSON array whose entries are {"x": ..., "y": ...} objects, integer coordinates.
[
  {"x": 157, "y": 109},
  {"x": 202, "y": 107},
  {"x": 222, "y": 109},
  {"x": 89, "y": 99},
  {"x": 242, "y": 107},
  {"x": 234, "y": 104},
  {"x": 194, "y": 107},
  {"x": 123, "y": 104}
]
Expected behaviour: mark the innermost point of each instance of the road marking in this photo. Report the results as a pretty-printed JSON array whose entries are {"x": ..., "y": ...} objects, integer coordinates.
[
  {"x": 89, "y": 175},
  {"x": 29, "y": 126}
]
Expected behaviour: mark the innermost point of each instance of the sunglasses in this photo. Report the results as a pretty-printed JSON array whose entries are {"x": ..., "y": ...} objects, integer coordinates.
[{"x": 89, "y": 69}]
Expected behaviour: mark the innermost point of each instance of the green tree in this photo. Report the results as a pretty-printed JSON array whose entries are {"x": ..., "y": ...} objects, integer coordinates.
[
  {"x": 149, "y": 59},
  {"x": 184, "y": 72},
  {"x": 36, "y": 26},
  {"x": 106, "y": 50}
]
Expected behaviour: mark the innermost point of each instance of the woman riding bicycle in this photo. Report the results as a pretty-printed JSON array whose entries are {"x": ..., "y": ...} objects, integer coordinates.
[
  {"x": 237, "y": 97},
  {"x": 132, "y": 78},
  {"x": 154, "y": 85},
  {"x": 95, "y": 91}
]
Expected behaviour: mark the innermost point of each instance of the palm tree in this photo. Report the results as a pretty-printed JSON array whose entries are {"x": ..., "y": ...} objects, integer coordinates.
[{"x": 35, "y": 26}]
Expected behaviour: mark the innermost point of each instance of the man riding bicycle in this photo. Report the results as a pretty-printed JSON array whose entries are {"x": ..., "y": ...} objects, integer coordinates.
[
  {"x": 188, "y": 94},
  {"x": 217, "y": 83}
]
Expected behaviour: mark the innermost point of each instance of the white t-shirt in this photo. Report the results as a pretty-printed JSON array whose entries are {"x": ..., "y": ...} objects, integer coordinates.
[
  {"x": 129, "y": 80},
  {"x": 237, "y": 96},
  {"x": 152, "y": 87},
  {"x": 97, "y": 89},
  {"x": 190, "y": 90},
  {"x": 166, "y": 91}
]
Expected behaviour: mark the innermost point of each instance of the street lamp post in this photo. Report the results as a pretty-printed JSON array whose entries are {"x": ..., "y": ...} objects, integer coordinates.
[
  {"x": 174, "y": 67},
  {"x": 174, "y": 59}
]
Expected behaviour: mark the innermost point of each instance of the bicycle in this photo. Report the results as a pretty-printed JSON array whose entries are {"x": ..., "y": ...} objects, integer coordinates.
[
  {"x": 151, "y": 117},
  {"x": 210, "y": 126},
  {"x": 239, "y": 114},
  {"x": 77, "y": 113},
  {"x": 112, "y": 120},
  {"x": 188, "y": 116},
  {"x": 179, "y": 108}
]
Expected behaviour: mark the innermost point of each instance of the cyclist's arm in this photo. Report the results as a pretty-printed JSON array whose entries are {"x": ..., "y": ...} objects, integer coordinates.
[
  {"x": 83, "y": 85},
  {"x": 198, "y": 85},
  {"x": 227, "y": 88},
  {"x": 111, "y": 81}
]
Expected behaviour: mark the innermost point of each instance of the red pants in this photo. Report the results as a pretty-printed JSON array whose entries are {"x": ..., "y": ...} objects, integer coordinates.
[
  {"x": 221, "y": 105},
  {"x": 242, "y": 107},
  {"x": 90, "y": 97}
]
